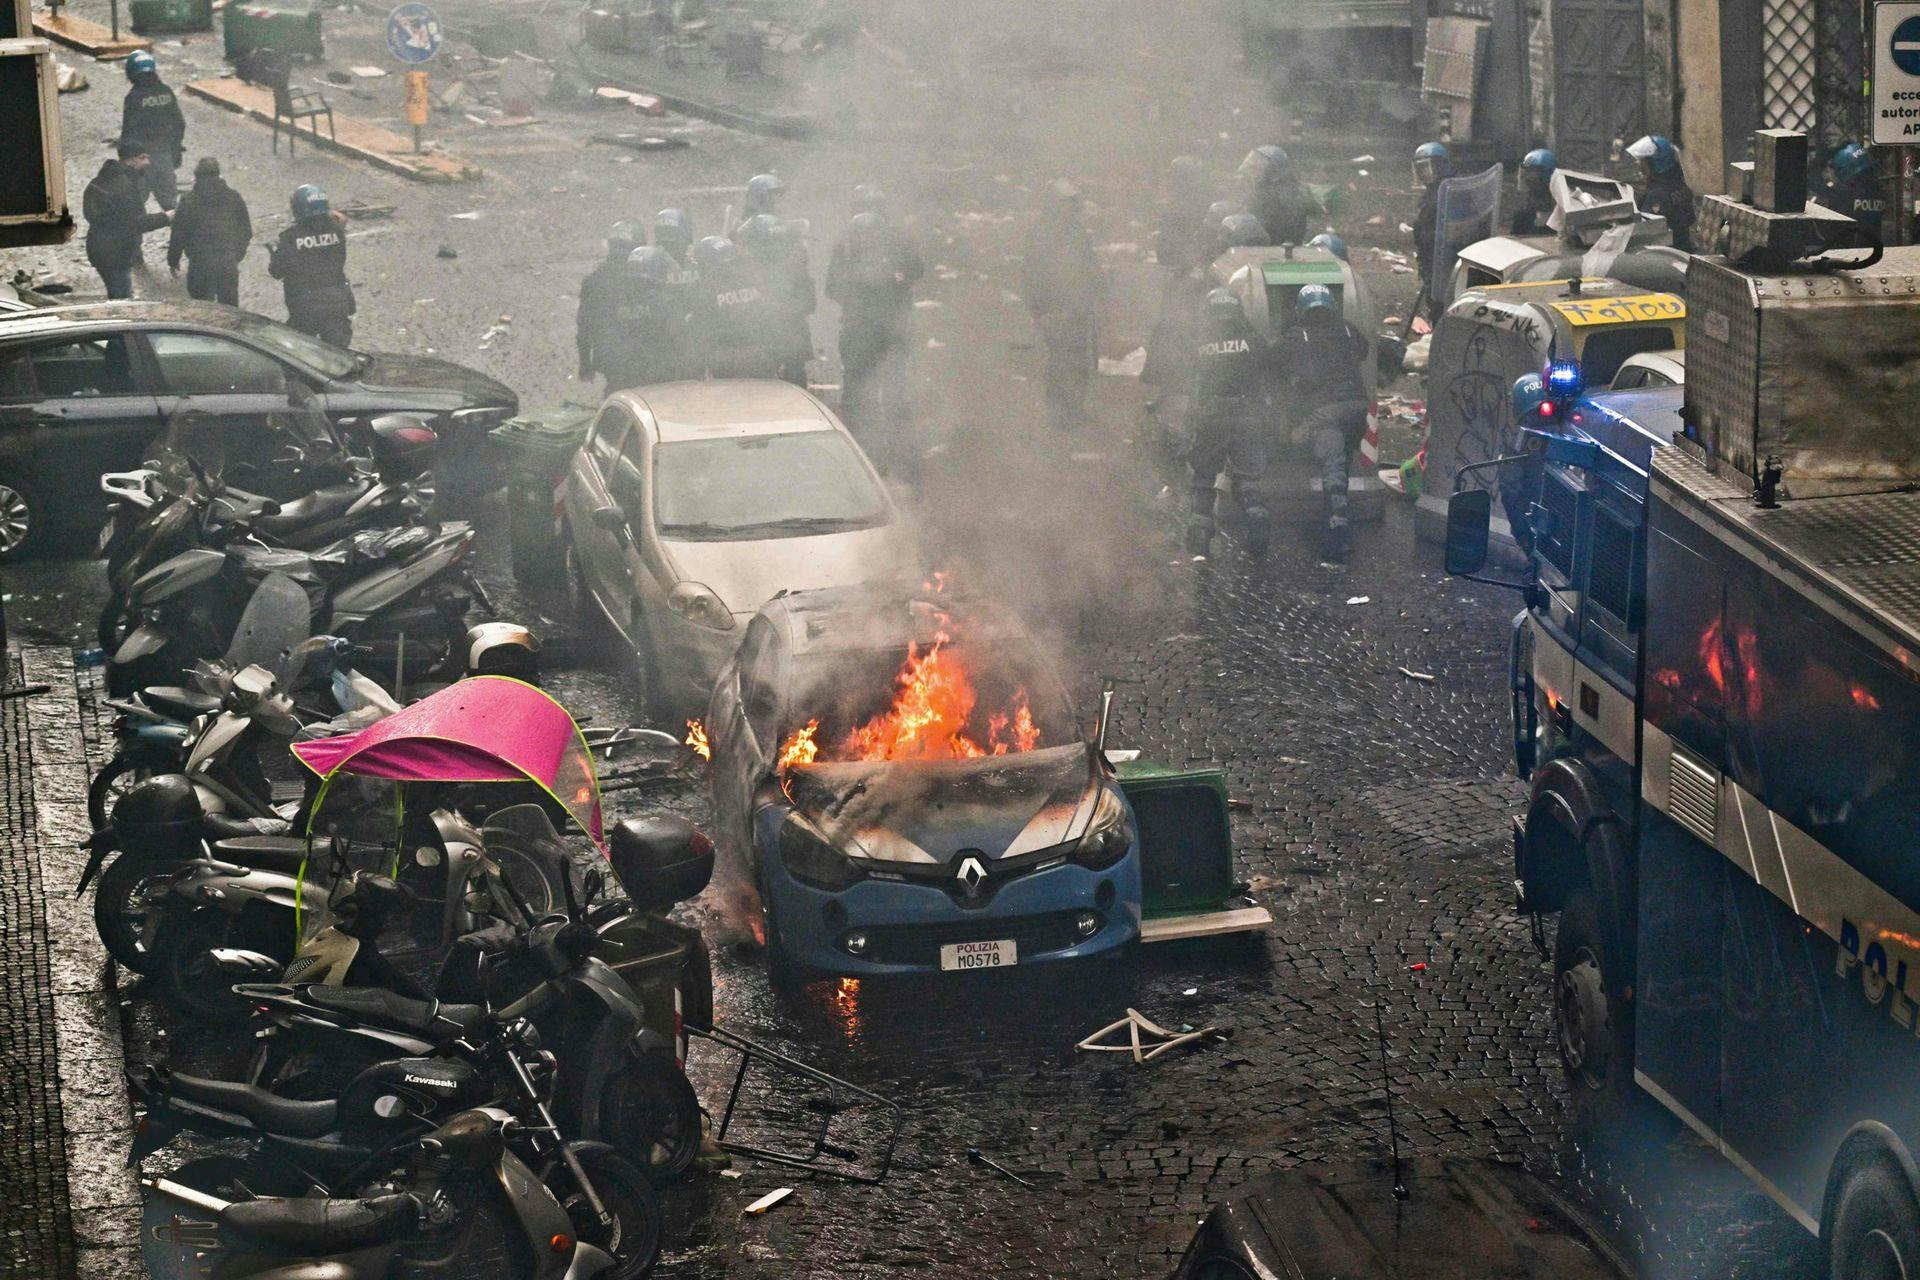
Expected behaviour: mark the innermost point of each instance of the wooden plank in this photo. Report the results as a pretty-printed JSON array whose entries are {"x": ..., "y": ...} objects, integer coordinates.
[
  {"x": 1207, "y": 924},
  {"x": 357, "y": 138},
  {"x": 87, "y": 37}
]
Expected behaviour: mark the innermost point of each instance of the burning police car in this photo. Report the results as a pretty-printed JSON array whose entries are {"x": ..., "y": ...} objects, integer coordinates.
[{"x": 903, "y": 779}]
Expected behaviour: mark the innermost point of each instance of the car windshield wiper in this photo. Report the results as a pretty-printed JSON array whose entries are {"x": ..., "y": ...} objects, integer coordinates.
[
  {"x": 697, "y": 529},
  {"x": 806, "y": 524}
]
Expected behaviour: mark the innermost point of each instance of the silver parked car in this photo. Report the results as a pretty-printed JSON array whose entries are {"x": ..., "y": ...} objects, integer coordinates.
[{"x": 692, "y": 504}]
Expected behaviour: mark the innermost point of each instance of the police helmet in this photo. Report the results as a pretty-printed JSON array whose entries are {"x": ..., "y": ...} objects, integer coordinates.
[
  {"x": 1654, "y": 153},
  {"x": 1528, "y": 394},
  {"x": 1540, "y": 158},
  {"x": 309, "y": 201},
  {"x": 623, "y": 238},
  {"x": 763, "y": 189},
  {"x": 650, "y": 265},
  {"x": 1239, "y": 229},
  {"x": 141, "y": 63},
  {"x": 673, "y": 230},
  {"x": 715, "y": 251},
  {"x": 868, "y": 198},
  {"x": 1430, "y": 162},
  {"x": 1223, "y": 305},
  {"x": 757, "y": 234},
  {"x": 503, "y": 649},
  {"x": 1278, "y": 163},
  {"x": 1851, "y": 161},
  {"x": 159, "y": 815},
  {"x": 1313, "y": 297},
  {"x": 1219, "y": 211},
  {"x": 1332, "y": 243},
  {"x": 865, "y": 226}
]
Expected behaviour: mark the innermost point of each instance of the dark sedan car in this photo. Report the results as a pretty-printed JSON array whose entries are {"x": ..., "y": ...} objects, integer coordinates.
[{"x": 87, "y": 389}]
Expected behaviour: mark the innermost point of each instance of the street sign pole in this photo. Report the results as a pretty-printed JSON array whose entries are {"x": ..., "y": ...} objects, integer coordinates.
[
  {"x": 413, "y": 38},
  {"x": 416, "y": 85}
]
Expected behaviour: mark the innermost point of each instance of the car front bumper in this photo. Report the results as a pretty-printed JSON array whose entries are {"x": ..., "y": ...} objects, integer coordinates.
[{"x": 907, "y": 923}]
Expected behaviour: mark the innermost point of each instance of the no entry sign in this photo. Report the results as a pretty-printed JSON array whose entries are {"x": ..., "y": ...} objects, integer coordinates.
[{"x": 1895, "y": 100}]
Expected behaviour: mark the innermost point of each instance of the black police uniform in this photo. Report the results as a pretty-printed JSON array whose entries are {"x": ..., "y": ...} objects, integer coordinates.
[
  {"x": 1321, "y": 359},
  {"x": 115, "y": 206},
  {"x": 1530, "y": 215},
  {"x": 310, "y": 261},
  {"x": 1287, "y": 210},
  {"x": 1424, "y": 229},
  {"x": 1060, "y": 280},
  {"x": 737, "y": 322},
  {"x": 1669, "y": 196},
  {"x": 1232, "y": 400},
  {"x": 211, "y": 230},
  {"x": 1170, "y": 348},
  {"x": 873, "y": 281},
  {"x": 1861, "y": 197},
  {"x": 595, "y": 325},
  {"x": 647, "y": 341},
  {"x": 151, "y": 116}
]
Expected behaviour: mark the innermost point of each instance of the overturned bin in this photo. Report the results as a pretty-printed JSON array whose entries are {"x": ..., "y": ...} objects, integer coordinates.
[{"x": 537, "y": 448}]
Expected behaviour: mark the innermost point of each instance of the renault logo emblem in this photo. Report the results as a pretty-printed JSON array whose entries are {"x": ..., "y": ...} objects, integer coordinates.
[{"x": 972, "y": 874}]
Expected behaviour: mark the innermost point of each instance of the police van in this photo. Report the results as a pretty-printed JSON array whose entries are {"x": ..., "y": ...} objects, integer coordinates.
[{"x": 1716, "y": 703}]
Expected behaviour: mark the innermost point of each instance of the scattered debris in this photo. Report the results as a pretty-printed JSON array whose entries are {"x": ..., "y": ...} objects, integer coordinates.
[
  {"x": 767, "y": 1201},
  {"x": 68, "y": 79},
  {"x": 1422, "y": 676},
  {"x": 1146, "y": 1039},
  {"x": 642, "y": 141},
  {"x": 1367, "y": 159},
  {"x": 446, "y": 251},
  {"x": 973, "y": 1155},
  {"x": 471, "y": 215},
  {"x": 1359, "y": 599},
  {"x": 361, "y": 212},
  {"x": 1128, "y": 366},
  {"x": 366, "y": 73},
  {"x": 639, "y": 101}
]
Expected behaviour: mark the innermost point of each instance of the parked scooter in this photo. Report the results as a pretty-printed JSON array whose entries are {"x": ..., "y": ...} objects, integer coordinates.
[{"x": 388, "y": 1193}]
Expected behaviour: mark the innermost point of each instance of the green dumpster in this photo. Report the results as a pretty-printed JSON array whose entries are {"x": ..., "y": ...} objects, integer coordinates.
[
  {"x": 289, "y": 30},
  {"x": 153, "y": 17},
  {"x": 537, "y": 448}
]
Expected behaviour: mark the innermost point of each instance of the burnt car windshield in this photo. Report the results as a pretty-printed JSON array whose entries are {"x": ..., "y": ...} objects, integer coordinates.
[
  {"x": 957, "y": 700},
  {"x": 323, "y": 358},
  {"x": 750, "y": 487}
]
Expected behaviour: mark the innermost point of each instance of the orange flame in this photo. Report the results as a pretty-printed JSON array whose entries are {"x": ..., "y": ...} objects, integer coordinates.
[
  {"x": 697, "y": 740},
  {"x": 800, "y": 747},
  {"x": 930, "y": 714}
]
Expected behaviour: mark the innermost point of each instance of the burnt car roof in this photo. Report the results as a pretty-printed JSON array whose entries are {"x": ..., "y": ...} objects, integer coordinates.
[
  {"x": 879, "y": 617},
  {"x": 81, "y": 315}
]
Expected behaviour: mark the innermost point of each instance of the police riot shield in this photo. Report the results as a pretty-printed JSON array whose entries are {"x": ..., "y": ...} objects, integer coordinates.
[{"x": 1466, "y": 209}]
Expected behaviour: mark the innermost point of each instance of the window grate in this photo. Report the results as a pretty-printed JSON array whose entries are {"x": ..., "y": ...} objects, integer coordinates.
[{"x": 1788, "y": 64}]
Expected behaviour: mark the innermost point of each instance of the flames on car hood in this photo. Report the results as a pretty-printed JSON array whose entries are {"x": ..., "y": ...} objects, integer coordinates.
[{"x": 926, "y": 811}]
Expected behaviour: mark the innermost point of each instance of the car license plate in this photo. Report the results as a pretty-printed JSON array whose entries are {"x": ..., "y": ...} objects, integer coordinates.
[{"x": 979, "y": 955}]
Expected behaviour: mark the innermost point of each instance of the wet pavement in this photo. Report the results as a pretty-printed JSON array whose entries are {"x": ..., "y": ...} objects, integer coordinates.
[{"x": 1371, "y": 805}]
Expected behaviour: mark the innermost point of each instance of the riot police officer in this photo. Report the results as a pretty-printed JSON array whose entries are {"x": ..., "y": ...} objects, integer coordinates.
[
  {"x": 765, "y": 191},
  {"x": 650, "y": 340},
  {"x": 871, "y": 275},
  {"x": 151, "y": 116},
  {"x": 600, "y": 293},
  {"x": 1239, "y": 231},
  {"x": 1322, "y": 357},
  {"x": 1060, "y": 282},
  {"x": 1536, "y": 193},
  {"x": 733, "y": 320},
  {"x": 1230, "y": 385},
  {"x": 1332, "y": 243},
  {"x": 1431, "y": 165},
  {"x": 310, "y": 261},
  {"x": 777, "y": 261},
  {"x": 1664, "y": 190},
  {"x": 1278, "y": 198},
  {"x": 1853, "y": 188},
  {"x": 673, "y": 231}
]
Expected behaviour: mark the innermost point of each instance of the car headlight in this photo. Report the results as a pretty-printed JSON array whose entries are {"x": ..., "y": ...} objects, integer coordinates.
[
  {"x": 699, "y": 605},
  {"x": 811, "y": 860},
  {"x": 1108, "y": 836},
  {"x": 486, "y": 416}
]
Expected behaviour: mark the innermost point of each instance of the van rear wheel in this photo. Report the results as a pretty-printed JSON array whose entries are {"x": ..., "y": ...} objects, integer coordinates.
[
  {"x": 1592, "y": 1025},
  {"x": 1874, "y": 1233}
]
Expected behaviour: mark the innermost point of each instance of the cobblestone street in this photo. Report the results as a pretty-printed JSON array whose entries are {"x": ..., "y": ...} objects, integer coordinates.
[{"x": 1360, "y": 713}]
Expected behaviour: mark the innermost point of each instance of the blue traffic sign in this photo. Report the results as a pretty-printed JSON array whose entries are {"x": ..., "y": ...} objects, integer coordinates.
[
  {"x": 413, "y": 33},
  {"x": 1906, "y": 46}
]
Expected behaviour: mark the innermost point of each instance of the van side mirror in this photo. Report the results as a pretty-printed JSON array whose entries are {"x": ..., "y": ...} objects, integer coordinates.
[
  {"x": 1469, "y": 518},
  {"x": 610, "y": 519}
]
